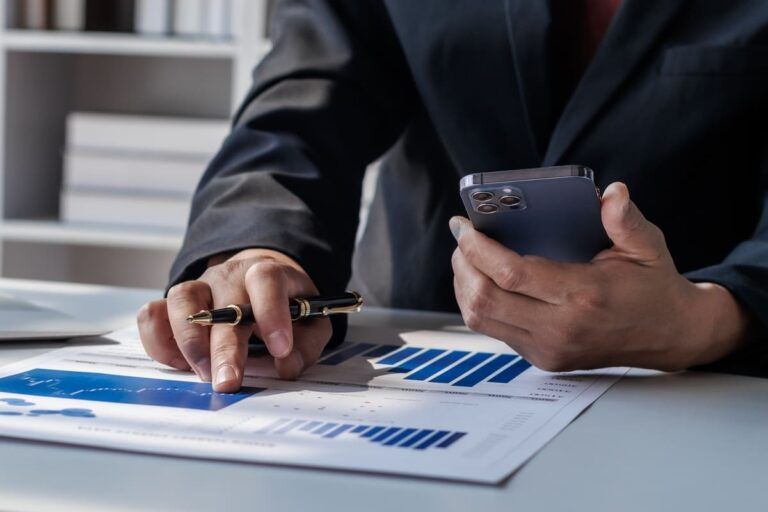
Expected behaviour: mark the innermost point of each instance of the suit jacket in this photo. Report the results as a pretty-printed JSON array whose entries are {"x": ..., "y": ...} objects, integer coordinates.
[{"x": 674, "y": 104}]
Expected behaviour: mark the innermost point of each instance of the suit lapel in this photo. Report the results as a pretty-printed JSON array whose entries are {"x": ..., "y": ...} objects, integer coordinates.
[
  {"x": 528, "y": 26},
  {"x": 634, "y": 32}
]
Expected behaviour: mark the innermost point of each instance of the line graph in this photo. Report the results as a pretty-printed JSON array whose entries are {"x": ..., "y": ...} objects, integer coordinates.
[{"x": 101, "y": 387}]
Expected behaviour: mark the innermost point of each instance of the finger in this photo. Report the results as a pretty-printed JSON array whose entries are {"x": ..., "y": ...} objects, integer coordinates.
[
  {"x": 193, "y": 340},
  {"x": 268, "y": 289},
  {"x": 229, "y": 344},
  {"x": 527, "y": 275},
  {"x": 517, "y": 338},
  {"x": 310, "y": 338},
  {"x": 157, "y": 337},
  {"x": 480, "y": 296},
  {"x": 628, "y": 229}
]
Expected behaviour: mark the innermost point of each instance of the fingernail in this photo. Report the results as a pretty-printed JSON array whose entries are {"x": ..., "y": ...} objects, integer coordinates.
[
  {"x": 202, "y": 368},
  {"x": 455, "y": 225},
  {"x": 279, "y": 344},
  {"x": 224, "y": 375},
  {"x": 180, "y": 364}
]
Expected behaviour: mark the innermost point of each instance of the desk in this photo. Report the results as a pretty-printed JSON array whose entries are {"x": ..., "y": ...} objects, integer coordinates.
[{"x": 691, "y": 441}]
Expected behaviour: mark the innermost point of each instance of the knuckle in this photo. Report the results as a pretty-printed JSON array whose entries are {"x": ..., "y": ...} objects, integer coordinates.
[
  {"x": 144, "y": 314},
  {"x": 473, "y": 320},
  {"x": 263, "y": 270},
  {"x": 183, "y": 290},
  {"x": 477, "y": 300},
  {"x": 510, "y": 277},
  {"x": 589, "y": 298}
]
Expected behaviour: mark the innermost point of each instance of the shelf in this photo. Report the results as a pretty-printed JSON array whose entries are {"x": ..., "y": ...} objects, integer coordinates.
[
  {"x": 116, "y": 44},
  {"x": 55, "y": 232}
]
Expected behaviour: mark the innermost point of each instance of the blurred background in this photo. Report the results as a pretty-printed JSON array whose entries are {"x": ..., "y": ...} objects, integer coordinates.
[{"x": 112, "y": 109}]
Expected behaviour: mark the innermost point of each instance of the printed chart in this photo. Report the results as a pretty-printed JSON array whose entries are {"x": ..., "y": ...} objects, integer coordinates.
[{"x": 429, "y": 403}]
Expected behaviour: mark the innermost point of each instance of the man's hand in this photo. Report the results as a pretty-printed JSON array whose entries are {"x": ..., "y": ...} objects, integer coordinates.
[
  {"x": 628, "y": 307},
  {"x": 265, "y": 279}
]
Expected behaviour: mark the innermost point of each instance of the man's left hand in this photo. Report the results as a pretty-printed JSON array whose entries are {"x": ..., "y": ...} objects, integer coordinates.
[{"x": 628, "y": 307}]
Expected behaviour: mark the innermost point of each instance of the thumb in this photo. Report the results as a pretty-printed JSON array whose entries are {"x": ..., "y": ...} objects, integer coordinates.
[{"x": 631, "y": 233}]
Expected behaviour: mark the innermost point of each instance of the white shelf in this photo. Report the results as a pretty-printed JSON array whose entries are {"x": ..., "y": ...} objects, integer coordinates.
[
  {"x": 116, "y": 44},
  {"x": 52, "y": 231}
]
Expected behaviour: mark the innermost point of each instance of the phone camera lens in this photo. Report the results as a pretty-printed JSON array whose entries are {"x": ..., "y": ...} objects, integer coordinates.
[
  {"x": 487, "y": 208},
  {"x": 482, "y": 196},
  {"x": 510, "y": 201}
]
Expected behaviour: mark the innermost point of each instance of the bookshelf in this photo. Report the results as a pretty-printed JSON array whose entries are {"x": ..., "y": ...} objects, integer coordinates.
[{"x": 44, "y": 75}]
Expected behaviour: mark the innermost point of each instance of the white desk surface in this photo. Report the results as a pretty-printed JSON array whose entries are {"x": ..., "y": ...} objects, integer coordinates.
[{"x": 690, "y": 441}]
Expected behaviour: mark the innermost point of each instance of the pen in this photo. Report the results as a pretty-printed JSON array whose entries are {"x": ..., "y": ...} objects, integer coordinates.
[{"x": 237, "y": 314}]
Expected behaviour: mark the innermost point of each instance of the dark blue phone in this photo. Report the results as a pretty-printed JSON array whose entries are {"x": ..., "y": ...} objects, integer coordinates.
[{"x": 552, "y": 212}]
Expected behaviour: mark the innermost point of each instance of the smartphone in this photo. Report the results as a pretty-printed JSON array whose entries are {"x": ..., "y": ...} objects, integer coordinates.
[{"x": 552, "y": 212}]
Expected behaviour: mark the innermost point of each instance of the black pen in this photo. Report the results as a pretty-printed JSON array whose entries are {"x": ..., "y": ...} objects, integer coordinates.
[{"x": 237, "y": 314}]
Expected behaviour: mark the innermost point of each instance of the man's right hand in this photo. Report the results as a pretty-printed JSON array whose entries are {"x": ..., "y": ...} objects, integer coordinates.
[{"x": 265, "y": 279}]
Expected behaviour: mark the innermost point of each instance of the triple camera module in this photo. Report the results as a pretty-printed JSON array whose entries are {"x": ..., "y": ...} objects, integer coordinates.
[{"x": 491, "y": 201}]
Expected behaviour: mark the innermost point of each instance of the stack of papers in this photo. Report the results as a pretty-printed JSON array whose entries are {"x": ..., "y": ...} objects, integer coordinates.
[{"x": 429, "y": 403}]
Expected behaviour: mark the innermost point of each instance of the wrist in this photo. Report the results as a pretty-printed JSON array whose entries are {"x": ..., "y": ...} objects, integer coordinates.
[{"x": 719, "y": 324}]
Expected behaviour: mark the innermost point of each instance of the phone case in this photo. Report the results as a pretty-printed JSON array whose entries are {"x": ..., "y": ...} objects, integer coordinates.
[{"x": 557, "y": 215}]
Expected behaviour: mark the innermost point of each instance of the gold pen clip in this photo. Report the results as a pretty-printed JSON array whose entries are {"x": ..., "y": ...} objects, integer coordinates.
[{"x": 354, "y": 308}]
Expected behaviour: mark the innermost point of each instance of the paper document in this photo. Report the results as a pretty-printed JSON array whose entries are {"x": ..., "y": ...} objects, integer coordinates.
[{"x": 428, "y": 403}]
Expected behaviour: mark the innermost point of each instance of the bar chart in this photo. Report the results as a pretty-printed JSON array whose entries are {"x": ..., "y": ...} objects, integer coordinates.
[
  {"x": 459, "y": 368},
  {"x": 388, "y": 436}
]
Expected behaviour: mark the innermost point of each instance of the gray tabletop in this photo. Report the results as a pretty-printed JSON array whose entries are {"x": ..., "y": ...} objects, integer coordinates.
[{"x": 690, "y": 441}]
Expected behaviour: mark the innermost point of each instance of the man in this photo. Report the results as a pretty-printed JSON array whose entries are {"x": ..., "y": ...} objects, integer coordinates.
[{"x": 667, "y": 97}]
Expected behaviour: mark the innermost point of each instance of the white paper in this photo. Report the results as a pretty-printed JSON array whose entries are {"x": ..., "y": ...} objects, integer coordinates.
[{"x": 335, "y": 416}]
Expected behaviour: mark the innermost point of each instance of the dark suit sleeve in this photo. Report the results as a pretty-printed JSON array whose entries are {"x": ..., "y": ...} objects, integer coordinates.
[
  {"x": 332, "y": 95},
  {"x": 744, "y": 272}
]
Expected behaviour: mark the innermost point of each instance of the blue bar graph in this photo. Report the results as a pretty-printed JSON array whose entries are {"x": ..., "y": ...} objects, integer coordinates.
[
  {"x": 415, "y": 439},
  {"x": 372, "y": 432},
  {"x": 381, "y": 351},
  {"x": 311, "y": 425},
  {"x": 486, "y": 370},
  {"x": 432, "y": 439},
  {"x": 346, "y": 354},
  {"x": 460, "y": 369},
  {"x": 121, "y": 389},
  {"x": 399, "y": 437},
  {"x": 451, "y": 439},
  {"x": 338, "y": 430},
  {"x": 437, "y": 366},
  {"x": 414, "y": 362},
  {"x": 511, "y": 372},
  {"x": 400, "y": 355},
  {"x": 289, "y": 427},
  {"x": 387, "y": 432},
  {"x": 380, "y": 435}
]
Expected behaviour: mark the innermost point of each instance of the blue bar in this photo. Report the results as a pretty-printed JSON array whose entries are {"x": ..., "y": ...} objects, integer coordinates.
[
  {"x": 325, "y": 428},
  {"x": 309, "y": 426},
  {"x": 484, "y": 371},
  {"x": 512, "y": 371},
  {"x": 432, "y": 439},
  {"x": 451, "y": 439},
  {"x": 373, "y": 432},
  {"x": 417, "y": 361},
  {"x": 399, "y": 355},
  {"x": 358, "y": 429},
  {"x": 340, "y": 430},
  {"x": 344, "y": 355},
  {"x": 437, "y": 366},
  {"x": 121, "y": 389},
  {"x": 415, "y": 439},
  {"x": 272, "y": 425},
  {"x": 288, "y": 427},
  {"x": 461, "y": 368},
  {"x": 381, "y": 351},
  {"x": 399, "y": 437},
  {"x": 385, "y": 434}
]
